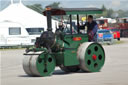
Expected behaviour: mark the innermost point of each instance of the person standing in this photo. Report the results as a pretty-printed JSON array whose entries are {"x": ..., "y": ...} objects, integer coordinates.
[{"x": 92, "y": 28}]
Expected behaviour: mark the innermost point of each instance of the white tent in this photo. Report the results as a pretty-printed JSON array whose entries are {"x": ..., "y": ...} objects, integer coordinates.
[
  {"x": 17, "y": 12},
  {"x": 24, "y": 18}
]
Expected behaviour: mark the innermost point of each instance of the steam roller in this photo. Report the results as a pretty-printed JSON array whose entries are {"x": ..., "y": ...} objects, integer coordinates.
[{"x": 71, "y": 52}]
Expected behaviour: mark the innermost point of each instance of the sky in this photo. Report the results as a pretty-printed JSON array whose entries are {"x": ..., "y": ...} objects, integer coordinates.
[{"x": 114, "y": 4}]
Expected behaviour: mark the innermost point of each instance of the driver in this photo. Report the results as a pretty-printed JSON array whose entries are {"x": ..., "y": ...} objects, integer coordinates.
[
  {"x": 61, "y": 26},
  {"x": 92, "y": 28}
]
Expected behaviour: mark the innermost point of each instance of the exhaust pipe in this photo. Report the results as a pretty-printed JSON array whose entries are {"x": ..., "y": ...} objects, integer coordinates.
[{"x": 49, "y": 20}]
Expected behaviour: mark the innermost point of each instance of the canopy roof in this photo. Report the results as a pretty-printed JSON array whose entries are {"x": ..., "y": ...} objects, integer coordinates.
[
  {"x": 73, "y": 11},
  {"x": 17, "y": 12}
]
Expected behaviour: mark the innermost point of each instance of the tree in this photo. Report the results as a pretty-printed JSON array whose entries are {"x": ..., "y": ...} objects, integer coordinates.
[
  {"x": 36, "y": 7},
  {"x": 109, "y": 13},
  {"x": 103, "y": 7},
  {"x": 104, "y": 14},
  {"x": 55, "y": 5},
  {"x": 126, "y": 13},
  {"x": 122, "y": 13}
]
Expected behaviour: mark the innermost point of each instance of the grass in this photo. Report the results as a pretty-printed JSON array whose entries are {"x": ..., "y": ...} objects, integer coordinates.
[
  {"x": 119, "y": 42},
  {"x": 13, "y": 48}
]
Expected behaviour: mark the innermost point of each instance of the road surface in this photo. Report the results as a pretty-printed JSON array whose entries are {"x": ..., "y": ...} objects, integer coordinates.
[{"x": 114, "y": 72}]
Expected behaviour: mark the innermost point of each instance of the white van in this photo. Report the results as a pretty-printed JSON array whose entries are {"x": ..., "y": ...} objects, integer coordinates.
[
  {"x": 12, "y": 34},
  {"x": 34, "y": 32}
]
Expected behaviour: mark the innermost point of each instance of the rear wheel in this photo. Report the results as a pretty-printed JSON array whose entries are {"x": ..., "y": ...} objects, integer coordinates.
[{"x": 91, "y": 56}]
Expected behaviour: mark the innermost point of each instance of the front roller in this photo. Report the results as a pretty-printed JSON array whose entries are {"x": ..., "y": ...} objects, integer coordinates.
[
  {"x": 42, "y": 65},
  {"x": 91, "y": 56}
]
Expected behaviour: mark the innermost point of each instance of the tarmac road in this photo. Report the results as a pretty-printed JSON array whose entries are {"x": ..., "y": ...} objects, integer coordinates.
[{"x": 114, "y": 72}]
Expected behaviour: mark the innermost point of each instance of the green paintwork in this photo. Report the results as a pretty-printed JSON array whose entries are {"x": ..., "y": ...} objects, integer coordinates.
[
  {"x": 70, "y": 53},
  {"x": 59, "y": 58},
  {"x": 50, "y": 62},
  {"x": 83, "y": 12},
  {"x": 72, "y": 11},
  {"x": 58, "y": 46},
  {"x": 68, "y": 56},
  {"x": 99, "y": 62}
]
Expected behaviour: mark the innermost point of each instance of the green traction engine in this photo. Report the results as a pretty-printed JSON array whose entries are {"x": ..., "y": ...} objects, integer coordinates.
[{"x": 70, "y": 51}]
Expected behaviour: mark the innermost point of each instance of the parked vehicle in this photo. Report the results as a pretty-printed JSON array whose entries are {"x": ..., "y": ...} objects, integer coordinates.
[
  {"x": 123, "y": 26},
  {"x": 34, "y": 33},
  {"x": 102, "y": 23},
  {"x": 105, "y": 36},
  {"x": 13, "y": 34},
  {"x": 116, "y": 32}
]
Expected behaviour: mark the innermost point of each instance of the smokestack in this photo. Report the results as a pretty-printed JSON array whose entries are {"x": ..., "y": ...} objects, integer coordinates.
[{"x": 48, "y": 14}]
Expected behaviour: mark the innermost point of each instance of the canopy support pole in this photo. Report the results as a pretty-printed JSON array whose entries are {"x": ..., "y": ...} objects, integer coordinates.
[
  {"x": 78, "y": 24},
  {"x": 70, "y": 23}
]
